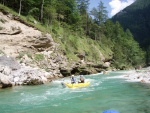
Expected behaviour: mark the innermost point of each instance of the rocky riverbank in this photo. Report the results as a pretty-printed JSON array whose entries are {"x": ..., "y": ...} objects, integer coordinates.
[
  {"x": 30, "y": 57},
  {"x": 142, "y": 75},
  {"x": 12, "y": 73},
  {"x": 20, "y": 72}
]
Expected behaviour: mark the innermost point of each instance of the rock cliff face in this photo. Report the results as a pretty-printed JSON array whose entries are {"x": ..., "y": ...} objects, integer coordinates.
[
  {"x": 13, "y": 73},
  {"x": 29, "y": 57}
]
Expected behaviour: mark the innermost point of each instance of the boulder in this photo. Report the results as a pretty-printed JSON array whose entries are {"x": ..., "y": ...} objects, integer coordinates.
[
  {"x": 7, "y": 70},
  {"x": 44, "y": 79},
  {"x": 107, "y": 64},
  {"x": 43, "y": 41},
  {"x": 10, "y": 62},
  {"x": 4, "y": 81},
  {"x": 81, "y": 55},
  {"x": 97, "y": 65},
  {"x": 49, "y": 75},
  {"x": 16, "y": 79},
  {"x": 33, "y": 82}
]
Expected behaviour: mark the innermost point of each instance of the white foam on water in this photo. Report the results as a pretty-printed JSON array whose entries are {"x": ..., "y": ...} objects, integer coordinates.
[
  {"x": 67, "y": 80},
  {"x": 132, "y": 80},
  {"x": 22, "y": 94},
  {"x": 55, "y": 105},
  {"x": 94, "y": 82},
  {"x": 127, "y": 71},
  {"x": 114, "y": 77},
  {"x": 56, "y": 92},
  {"x": 82, "y": 89},
  {"x": 97, "y": 74},
  {"x": 34, "y": 99}
]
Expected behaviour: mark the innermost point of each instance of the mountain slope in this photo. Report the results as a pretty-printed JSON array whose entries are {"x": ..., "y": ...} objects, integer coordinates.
[
  {"x": 110, "y": 44},
  {"x": 136, "y": 18}
]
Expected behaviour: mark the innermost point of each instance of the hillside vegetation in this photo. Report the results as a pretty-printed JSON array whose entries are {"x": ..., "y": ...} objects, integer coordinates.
[
  {"x": 136, "y": 18},
  {"x": 96, "y": 39}
]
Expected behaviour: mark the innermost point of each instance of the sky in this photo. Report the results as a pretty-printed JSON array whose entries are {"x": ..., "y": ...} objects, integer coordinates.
[{"x": 112, "y": 6}]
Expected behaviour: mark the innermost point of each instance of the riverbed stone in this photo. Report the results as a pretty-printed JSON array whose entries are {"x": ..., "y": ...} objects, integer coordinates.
[
  {"x": 4, "y": 81},
  {"x": 7, "y": 70}
]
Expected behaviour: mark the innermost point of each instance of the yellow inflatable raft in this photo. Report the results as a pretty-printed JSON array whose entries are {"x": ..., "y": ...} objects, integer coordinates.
[{"x": 75, "y": 85}]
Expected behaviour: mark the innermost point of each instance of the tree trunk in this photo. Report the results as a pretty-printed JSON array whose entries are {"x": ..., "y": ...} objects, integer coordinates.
[
  {"x": 3, "y": 2},
  {"x": 20, "y": 8},
  {"x": 95, "y": 35},
  {"x": 41, "y": 16},
  {"x": 86, "y": 23}
]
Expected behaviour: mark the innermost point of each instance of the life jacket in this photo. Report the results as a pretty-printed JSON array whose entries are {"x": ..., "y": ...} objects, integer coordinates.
[
  {"x": 73, "y": 80},
  {"x": 82, "y": 79}
]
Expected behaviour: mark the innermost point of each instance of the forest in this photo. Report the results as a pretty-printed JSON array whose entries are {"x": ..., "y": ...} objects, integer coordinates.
[
  {"x": 136, "y": 18},
  {"x": 79, "y": 30}
]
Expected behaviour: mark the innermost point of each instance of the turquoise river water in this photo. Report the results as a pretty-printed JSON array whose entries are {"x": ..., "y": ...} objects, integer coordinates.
[{"x": 105, "y": 92}]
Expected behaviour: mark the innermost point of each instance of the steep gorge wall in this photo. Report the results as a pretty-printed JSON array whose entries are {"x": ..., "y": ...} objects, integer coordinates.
[{"x": 38, "y": 56}]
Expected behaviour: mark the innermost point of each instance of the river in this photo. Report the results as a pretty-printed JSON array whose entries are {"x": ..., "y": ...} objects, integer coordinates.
[{"x": 105, "y": 92}]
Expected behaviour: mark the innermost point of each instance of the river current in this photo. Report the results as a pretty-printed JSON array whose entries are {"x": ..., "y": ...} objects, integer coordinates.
[{"x": 105, "y": 92}]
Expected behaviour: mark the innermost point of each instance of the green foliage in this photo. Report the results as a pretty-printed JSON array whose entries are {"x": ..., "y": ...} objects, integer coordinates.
[
  {"x": 148, "y": 56},
  {"x": 51, "y": 14},
  {"x": 72, "y": 27},
  {"x": 83, "y": 6},
  {"x": 136, "y": 18},
  {"x": 126, "y": 51},
  {"x": 99, "y": 13},
  {"x": 30, "y": 18},
  {"x": 39, "y": 57}
]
